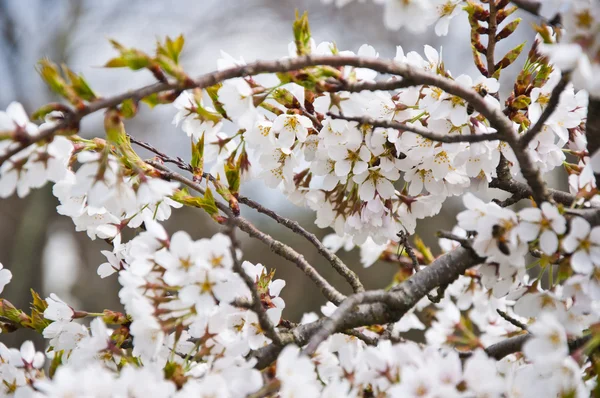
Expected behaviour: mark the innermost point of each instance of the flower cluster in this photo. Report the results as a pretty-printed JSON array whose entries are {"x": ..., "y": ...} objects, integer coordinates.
[{"x": 509, "y": 308}]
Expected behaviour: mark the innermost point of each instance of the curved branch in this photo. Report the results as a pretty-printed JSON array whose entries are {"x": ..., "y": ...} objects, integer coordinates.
[
  {"x": 334, "y": 260},
  {"x": 522, "y": 191},
  {"x": 276, "y": 246},
  {"x": 550, "y": 108},
  {"x": 294, "y": 226},
  {"x": 398, "y": 302},
  {"x": 411, "y": 77},
  {"x": 257, "y": 306},
  {"x": 422, "y": 131}
]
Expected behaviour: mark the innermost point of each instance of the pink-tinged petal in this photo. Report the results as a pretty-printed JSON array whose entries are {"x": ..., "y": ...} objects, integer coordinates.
[
  {"x": 548, "y": 242},
  {"x": 385, "y": 188},
  {"x": 595, "y": 235},
  {"x": 581, "y": 262},
  {"x": 286, "y": 138},
  {"x": 528, "y": 231},
  {"x": 342, "y": 168},
  {"x": 595, "y": 255},
  {"x": 276, "y": 287},
  {"x": 531, "y": 214},
  {"x": 580, "y": 227},
  {"x": 181, "y": 244},
  {"x": 305, "y": 122},
  {"x": 367, "y": 190},
  {"x": 559, "y": 225},
  {"x": 27, "y": 351}
]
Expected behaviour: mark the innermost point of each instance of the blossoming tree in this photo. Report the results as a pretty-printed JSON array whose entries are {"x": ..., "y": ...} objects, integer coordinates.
[{"x": 373, "y": 146}]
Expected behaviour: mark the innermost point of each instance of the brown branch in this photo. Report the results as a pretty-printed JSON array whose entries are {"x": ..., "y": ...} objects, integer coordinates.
[
  {"x": 442, "y": 271},
  {"x": 290, "y": 254},
  {"x": 511, "y": 320},
  {"x": 515, "y": 344},
  {"x": 592, "y": 126},
  {"x": 294, "y": 226},
  {"x": 422, "y": 131},
  {"x": 548, "y": 111},
  {"x": 491, "y": 34},
  {"x": 464, "y": 242},
  {"x": 411, "y": 76},
  {"x": 276, "y": 246},
  {"x": 257, "y": 307},
  {"x": 335, "y": 320},
  {"x": 523, "y": 191}
]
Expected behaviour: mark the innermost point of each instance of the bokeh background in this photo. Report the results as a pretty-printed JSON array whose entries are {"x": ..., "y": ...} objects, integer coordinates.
[{"x": 41, "y": 247}]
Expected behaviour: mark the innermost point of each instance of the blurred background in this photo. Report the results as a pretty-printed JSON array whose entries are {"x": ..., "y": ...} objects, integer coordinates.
[{"x": 41, "y": 247}]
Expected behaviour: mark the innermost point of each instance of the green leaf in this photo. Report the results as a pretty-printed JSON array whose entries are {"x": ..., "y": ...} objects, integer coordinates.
[
  {"x": 41, "y": 112},
  {"x": 198, "y": 154},
  {"x": 115, "y": 130},
  {"x": 302, "y": 34},
  {"x": 79, "y": 84},
  {"x": 232, "y": 172},
  {"x": 508, "y": 29},
  {"x": 37, "y": 302},
  {"x": 521, "y": 102},
  {"x": 508, "y": 59},
  {"x": 56, "y": 362},
  {"x": 207, "y": 203},
  {"x": 171, "y": 49},
  {"x": 128, "y": 108},
  {"x": 151, "y": 100}
]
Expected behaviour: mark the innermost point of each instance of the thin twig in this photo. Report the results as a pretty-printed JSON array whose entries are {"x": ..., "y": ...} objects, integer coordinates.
[
  {"x": 263, "y": 319},
  {"x": 412, "y": 76},
  {"x": 521, "y": 190},
  {"x": 361, "y": 336},
  {"x": 422, "y": 131},
  {"x": 294, "y": 226},
  {"x": 511, "y": 320},
  {"x": 464, "y": 242},
  {"x": 548, "y": 111},
  {"x": 491, "y": 34},
  {"x": 276, "y": 246},
  {"x": 335, "y": 320}
]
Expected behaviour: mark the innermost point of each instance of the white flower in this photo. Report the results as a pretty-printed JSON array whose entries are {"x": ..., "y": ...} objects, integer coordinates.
[
  {"x": 27, "y": 357},
  {"x": 290, "y": 128},
  {"x": 584, "y": 242},
  {"x": 404, "y": 13},
  {"x": 57, "y": 309},
  {"x": 375, "y": 180},
  {"x": 547, "y": 221},
  {"x": 296, "y": 374},
  {"x": 236, "y": 97},
  {"x": 148, "y": 338},
  {"x": 547, "y": 348},
  {"x": 446, "y": 9},
  {"x": 481, "y": 376},
  {"x": 5, "y": 277}
]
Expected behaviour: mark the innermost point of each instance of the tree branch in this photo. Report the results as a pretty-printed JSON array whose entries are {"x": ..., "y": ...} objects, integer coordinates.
[
  {"x": 523, "y": 191},
  {"x": 276, "y": 246},
  {"x": 422, "y": 131},
  {"x": 530, "y": 6},
  {"x": 550, "y": 108},
  {"x": 398, "y": 302},
  {"x": 294, "y": 226},
  {"x": 257, "y": 307},
  {"x": 411, "y": 76}
]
